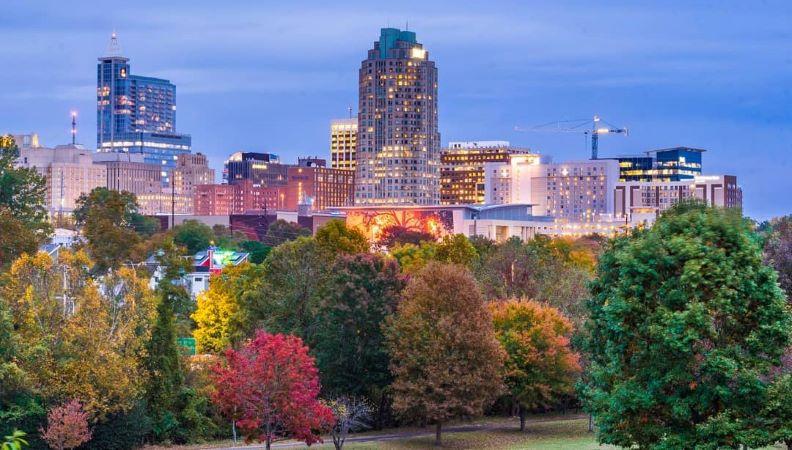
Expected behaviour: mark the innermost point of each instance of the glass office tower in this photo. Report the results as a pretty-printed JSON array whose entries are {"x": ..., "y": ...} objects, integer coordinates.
[{"x": 137, "y": 114}]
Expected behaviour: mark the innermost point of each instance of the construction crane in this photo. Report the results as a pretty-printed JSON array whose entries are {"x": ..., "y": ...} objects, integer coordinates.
[{"x": 598, "y": 127}]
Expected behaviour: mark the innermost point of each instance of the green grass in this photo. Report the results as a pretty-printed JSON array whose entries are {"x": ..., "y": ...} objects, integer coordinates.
[{"x": 541, "y": 433}]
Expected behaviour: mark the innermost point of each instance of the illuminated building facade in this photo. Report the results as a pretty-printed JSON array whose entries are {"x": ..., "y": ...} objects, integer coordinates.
[
  {"x": 263, "y": 169},
  {"x": 137, "y": 114},
  {"x": 343, "y": 143},
  {"x": 578, "y": 191},
  {"x": 239, "y": 198},
  {"x": 191, "y": 170},
  {"x": 317, "y": 188},
  {"x": 462, "y": 179},
  {"x": 398, "y": 148},
  {"x": 634, "y": 199},
  {"x": 68, "y": 170},
  {"x": 669, "y": 164}
]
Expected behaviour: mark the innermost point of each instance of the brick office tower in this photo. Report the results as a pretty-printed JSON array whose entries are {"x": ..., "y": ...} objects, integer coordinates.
[{"x": 398, "y": 154}]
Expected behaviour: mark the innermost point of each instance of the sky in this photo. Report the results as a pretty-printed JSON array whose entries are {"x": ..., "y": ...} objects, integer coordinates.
[{"x": 269, "y": 76}]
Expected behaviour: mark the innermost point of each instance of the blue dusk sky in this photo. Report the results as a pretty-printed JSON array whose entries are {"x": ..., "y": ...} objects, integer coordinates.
[{"x": 269, "y": 76}]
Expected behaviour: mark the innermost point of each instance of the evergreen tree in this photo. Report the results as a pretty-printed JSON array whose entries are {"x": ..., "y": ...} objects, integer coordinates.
[{"x": 685, "y": 325}]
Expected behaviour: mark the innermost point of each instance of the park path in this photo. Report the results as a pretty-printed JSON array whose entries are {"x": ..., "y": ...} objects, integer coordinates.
[{"x": 409, "y": 434}]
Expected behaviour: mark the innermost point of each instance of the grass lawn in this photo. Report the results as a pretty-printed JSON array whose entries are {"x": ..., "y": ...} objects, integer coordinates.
[{"x": 541, "y": 433}]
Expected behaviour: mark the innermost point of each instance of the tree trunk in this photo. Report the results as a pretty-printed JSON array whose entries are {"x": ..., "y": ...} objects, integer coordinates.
[
  {"x": 438, "y": 440},
  {"x": 788, "y": 443},
  {"x": 591, "y": 423},
  {"x": 268, "y": 443},
  {"x": 233, "y": 431},
  {"x": 522, "y": 418}
]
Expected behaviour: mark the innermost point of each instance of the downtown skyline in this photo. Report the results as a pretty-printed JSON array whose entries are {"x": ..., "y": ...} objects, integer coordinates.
[{"x": 272, "y": 81}]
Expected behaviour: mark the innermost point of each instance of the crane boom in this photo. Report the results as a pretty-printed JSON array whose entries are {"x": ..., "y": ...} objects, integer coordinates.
[{"x": 575, "y": 126}]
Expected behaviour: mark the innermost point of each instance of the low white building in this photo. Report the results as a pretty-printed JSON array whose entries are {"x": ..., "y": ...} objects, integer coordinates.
[{"x": 205, "y": 263}]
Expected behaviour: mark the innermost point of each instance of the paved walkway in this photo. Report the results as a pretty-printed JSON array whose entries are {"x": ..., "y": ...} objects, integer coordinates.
[{"x": 412, "y": 433}]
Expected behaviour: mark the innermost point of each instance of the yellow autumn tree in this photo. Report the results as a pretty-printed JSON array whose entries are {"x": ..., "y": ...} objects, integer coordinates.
[{"x": 79, "y": 337}]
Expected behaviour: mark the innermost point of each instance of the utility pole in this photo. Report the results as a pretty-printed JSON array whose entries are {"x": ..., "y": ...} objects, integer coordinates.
[{"x": 173, "y": 200}]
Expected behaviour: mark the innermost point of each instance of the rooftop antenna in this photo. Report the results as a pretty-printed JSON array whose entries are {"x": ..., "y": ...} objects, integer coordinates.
[
  {"x": 406, "y": 25},
  {"x": 350, "y": 112},
  {"x": 114, "y": 48},
  {"x": 74, "y": 127}
]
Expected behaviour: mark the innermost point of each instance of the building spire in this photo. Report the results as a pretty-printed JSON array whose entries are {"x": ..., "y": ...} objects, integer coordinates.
[{"x": 114, "y": 48}]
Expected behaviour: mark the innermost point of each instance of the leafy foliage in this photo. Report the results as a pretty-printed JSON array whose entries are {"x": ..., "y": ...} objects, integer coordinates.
[
  {"x": 395, "y": 235},
  {"x": 778, "y": 252},
  {"x": 67, "y": 426},
  {"x": 258, "y": 251},
  {"x": 364, "y": 289},
  {"x": 350, "y": 413},
  {"x": 445, "y": 358},
  {"x": 193, "y": 235},
  {"x": 228, "y": 311},
  {"x": 685, "y": 322},
  {"x": 335, "y": 237},
  {"x": 282, "y": 231},
  {"x": 271, "y": 386},
  {"x": 540, "y": 365}
]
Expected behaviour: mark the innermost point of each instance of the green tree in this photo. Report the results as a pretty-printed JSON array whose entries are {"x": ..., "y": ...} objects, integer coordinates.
[
  {"x": 778, "y": 251},
  {"x": 193, "y": 235},
  {"x": 335, "y": 237},
  {"x": 541, "y": 365},
  {"x": 412, "y": 258},
  {"x": 395, "y": 235},
  {"x": 445, "y": 358},
  {"x": 165, "y": 379},
  {"x": 107, "y": 219},
  {"x": 685, "y": 324},
  {"x": 456, "y": 249},
  {"x": 295, "y": 273},
  {"x": 225, "y": 238},
  {"x": 282, "y": 231},
  {"x": 23, "y": 215},
  {"x": 363, "y": 290},
  {"x": 258, "y": 250}
]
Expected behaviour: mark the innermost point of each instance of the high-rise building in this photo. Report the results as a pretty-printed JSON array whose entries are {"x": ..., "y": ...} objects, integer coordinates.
[
  {"x": 263, "y": 169},
  {"x": 398, "y": 151},
  {"x": 580, "y": 191},
  {"x": 136, "y": 114},
  {"x": 462, "y": 169},
  {"x": 317, "y": 188},
  {"x": 68, "y": 170},
  {"x": 191, "y": 170},
  {"x": 668, "y": 164},
  {"x": 343, "y": 142}
]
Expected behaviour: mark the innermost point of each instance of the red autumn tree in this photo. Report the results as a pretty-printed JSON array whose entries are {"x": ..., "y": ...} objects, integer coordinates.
[
  {"x": 67, "y": 426},
  {"x": 271, "y": 386}
]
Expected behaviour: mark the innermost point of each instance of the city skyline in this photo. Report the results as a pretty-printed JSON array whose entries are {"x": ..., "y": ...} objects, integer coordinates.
[{"x": 727, "y": 92}]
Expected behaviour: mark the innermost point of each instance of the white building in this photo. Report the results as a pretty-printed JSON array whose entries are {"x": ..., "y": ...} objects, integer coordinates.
[
  {"x": 643, "y": 201},
  {"x": 69, "y": 171},
  {"x": 579, "y": 191}
]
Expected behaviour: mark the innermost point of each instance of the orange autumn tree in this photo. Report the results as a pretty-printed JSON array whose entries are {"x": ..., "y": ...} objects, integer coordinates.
[{"x": 541, "y": 365}]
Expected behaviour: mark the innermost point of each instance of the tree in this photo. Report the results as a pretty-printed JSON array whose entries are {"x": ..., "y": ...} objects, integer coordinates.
[
  {"x": 394, "y": 235},
  {"x": 510, "y": 271},
  {"x": 685, "y": 324},
  {"x": 107, "y": 218},
  {"x": 224, "y": 237},
  {"x": 67, "y": 426},
  {"x": 445, "y": 358},
  {"x": 258, "y": 250},
  {"x": 75, "y": 338},
  {"x": 335, "y": 237},
  {"x": 272, "y": 384},
  {"x": 776, "y": 416},
  {"x": 282, "y": 231},
  {"x": 412, "y": 258},
  {"x": 228, "y": 311},
  {"x": 540, "y": 365},
  {"x": 23, "y": 214},
  {"x": 295, "y": 273},
  {"x": 350, "y": 413},
  {"x": 363, "y": 291},
  {"x": 193, "y": 235},
  {"x": 456, "y": 249},
  {"x": 778, "y": 252}
]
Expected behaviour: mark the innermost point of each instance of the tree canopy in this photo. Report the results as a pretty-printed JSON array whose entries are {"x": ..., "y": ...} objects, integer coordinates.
[{"x": 685, "y": 324}]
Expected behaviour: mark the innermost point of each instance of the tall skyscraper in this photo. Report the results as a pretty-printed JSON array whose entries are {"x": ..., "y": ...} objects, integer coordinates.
[
  {"x": 136, "y": 114},
  {"x": 398, "y": 152},
  {"x": 343, "y": 143}
]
